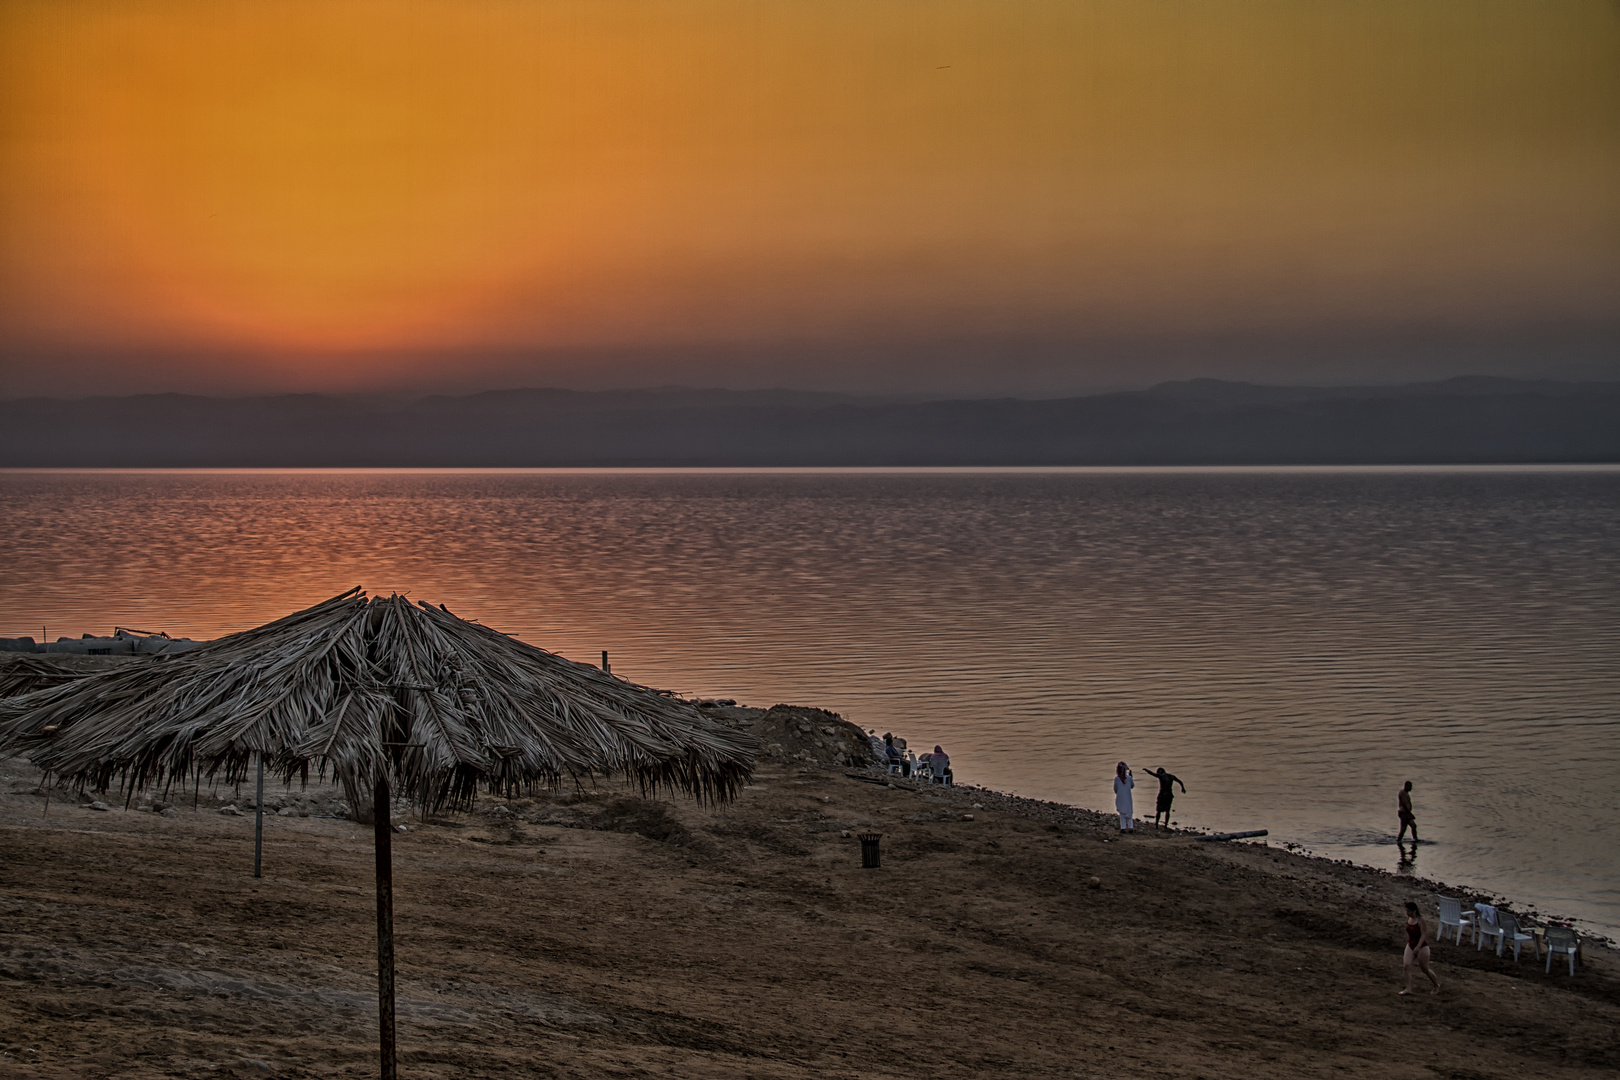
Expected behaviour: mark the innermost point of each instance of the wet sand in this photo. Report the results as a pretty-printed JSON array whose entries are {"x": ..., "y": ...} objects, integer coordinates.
[{"x": 598, "y": 935}]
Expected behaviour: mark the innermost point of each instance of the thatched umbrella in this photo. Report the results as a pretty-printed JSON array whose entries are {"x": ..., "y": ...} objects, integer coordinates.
[{"x": 383, "y": 696}]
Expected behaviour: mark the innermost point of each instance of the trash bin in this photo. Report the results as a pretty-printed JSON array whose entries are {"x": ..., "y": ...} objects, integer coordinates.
[{"x": 869, "y": 849}]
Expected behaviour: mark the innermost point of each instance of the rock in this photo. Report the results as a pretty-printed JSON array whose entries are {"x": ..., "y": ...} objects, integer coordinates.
[
  {"x": 169, "y": 811},
  {"x": 286, "y": 811},
  {"x": 99, "y": 805},
  {"x": 967, "y": 817},
  {"x": 230, "y": 811},
  {"x": 1094, "y": 883},
  {"x": 399, "y": 828}
]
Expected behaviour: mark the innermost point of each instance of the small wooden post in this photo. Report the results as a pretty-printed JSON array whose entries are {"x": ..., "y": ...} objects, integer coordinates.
[
  {"x": 606, "y": 670},
  {"x": 258, "y": 820},
  {"x": 384, "y": 832}
]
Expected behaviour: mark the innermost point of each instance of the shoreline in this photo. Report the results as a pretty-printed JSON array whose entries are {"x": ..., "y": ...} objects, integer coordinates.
[
  {"x": 796, "y": 735},
  {"x": 588, "y": 933},
  {"x": 1048, "y": 810},
  {"x": 804, "y": 734}
]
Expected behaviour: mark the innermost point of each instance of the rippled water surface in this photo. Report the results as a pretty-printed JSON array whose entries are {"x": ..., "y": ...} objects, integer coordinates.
[{"x": 1292, "y": 643}]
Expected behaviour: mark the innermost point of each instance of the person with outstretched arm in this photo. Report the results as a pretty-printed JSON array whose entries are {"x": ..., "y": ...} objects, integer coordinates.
[{"x": 1167, "y": 793}]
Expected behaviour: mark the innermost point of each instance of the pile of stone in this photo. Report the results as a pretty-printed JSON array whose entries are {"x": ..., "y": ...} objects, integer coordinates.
[{"x": 789, "y": 733}]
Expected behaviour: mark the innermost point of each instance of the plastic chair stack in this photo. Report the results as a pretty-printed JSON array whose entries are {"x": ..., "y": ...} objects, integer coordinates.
[{"x": 1506, "y": 929}]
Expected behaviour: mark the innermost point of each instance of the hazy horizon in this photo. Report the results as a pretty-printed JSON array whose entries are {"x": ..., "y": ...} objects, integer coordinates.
[
  {"x": 1036, "y": 198},
  {"x": 402, "y": 395}
]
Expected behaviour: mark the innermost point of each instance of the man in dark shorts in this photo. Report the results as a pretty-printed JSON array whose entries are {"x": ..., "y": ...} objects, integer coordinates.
[
  {"x": 1408, "y": 821},
  {"x": 1167, "y": 793}
]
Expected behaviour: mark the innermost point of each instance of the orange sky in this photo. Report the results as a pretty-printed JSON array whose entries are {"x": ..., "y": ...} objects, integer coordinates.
[{"x": 331, "y": 194}]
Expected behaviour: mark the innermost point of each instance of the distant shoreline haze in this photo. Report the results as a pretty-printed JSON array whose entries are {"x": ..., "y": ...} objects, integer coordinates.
[{"x": 1465, "y": 420}]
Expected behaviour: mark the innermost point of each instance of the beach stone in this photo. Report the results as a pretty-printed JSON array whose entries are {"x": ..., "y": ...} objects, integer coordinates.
[
  {"x": 230, "y": 811},
  {"x": 99, "y": 805},
  {"x": 169, "y": 811},
  {"x": 1094, "y": 883},
  {"x": 286, "y": 811}
]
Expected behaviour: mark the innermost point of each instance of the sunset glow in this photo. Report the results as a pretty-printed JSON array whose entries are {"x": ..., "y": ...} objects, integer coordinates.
[{"x": 327, "y": 186}]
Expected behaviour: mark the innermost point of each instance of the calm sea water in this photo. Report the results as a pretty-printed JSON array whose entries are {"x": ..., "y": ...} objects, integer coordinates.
[{"x": 1294, "y": 643}]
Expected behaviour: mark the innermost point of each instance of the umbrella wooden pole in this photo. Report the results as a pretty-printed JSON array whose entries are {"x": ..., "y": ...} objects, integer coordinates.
[
  {"x": 258, "y": 819},
  {"x": 385, "y": 927}
]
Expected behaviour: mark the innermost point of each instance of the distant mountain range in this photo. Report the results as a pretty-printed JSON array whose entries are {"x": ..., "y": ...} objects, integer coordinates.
[{"x": 1195, "y": 422}]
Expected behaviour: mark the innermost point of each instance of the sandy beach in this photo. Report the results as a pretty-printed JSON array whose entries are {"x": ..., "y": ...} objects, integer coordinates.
[{"x": 596, "y": 934}]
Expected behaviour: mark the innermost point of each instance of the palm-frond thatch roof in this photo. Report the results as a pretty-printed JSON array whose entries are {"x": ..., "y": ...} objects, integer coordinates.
[
  {"x": 364, "y": 689},
  {"x": 25, "y": 674}
]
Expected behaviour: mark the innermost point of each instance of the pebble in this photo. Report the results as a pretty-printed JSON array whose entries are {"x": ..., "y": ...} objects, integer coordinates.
[{"x": 1094, "y": 883}]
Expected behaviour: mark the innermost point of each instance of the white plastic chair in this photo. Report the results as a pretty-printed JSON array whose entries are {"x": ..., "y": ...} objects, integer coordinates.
[
  {"x": 1452, "y": 915},
  {"x": 937, "y": 766},
  {"x": 1484, "y": 924},
  {"x": 1506, "y": 930},
  {"x": 1561, "y": 939}
]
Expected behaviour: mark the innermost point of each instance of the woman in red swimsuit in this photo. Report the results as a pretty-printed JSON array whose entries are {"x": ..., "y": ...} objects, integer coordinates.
[{"x": 1417, "y": 948}]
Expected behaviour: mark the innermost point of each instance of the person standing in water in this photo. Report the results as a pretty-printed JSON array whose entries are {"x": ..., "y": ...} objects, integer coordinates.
[
  {"x": 1167, "y": 793},
  {"x": 1408, "y": 820},
  {"x": 1123, "y": 783},
  {"x": 1417, "y": 948}
]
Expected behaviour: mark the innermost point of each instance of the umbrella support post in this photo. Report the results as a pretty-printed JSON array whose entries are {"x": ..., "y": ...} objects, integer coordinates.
[
  {"x": 385, "y": 928},
  {"x": 258, "y": 819}
]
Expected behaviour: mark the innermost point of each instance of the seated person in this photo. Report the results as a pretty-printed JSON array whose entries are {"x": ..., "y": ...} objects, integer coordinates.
[{"x": 892, "y": 753}]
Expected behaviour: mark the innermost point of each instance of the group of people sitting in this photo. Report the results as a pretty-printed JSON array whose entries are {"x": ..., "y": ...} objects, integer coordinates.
[{"x": 935, "y": 766}]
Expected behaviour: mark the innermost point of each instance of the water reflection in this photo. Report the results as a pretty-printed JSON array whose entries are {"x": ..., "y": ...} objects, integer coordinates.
[{"x": 1296, "y": 642}]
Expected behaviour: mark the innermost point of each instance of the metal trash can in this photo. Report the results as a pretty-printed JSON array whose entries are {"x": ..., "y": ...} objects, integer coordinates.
[{"x": 869, "y": 849}]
